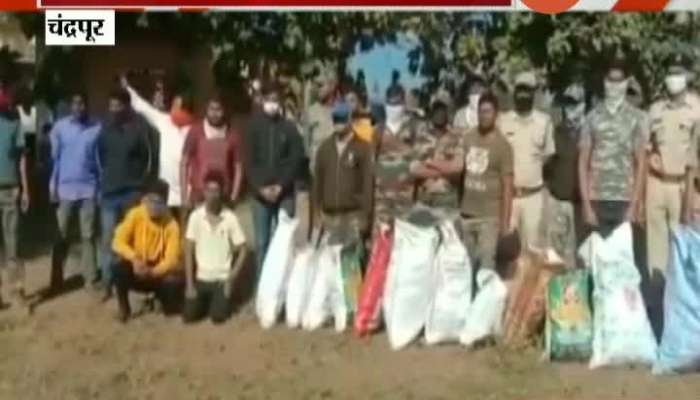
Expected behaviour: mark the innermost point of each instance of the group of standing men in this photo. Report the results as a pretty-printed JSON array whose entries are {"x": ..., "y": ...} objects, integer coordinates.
[
  {"x": 518, "y": 172},
  {"x": 497, "y": 173}
]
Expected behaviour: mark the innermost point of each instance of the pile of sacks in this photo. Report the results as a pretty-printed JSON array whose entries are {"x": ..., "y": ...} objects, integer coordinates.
[
  {"x": 313, "y": 282},
  {"x": 419, "y": 280}
]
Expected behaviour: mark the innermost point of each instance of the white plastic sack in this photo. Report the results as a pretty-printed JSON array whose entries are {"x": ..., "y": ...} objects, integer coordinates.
[
  {"x": 452, "y": 288},
  {"x": 680, "y": 344},
  {"x": 485, "y": 315},
  {"x": 320, "y": 305},
  {"x": 408, "y": 285},
  {"x": 275, "y": 272},
  {"x": 622, "y": 333},
  {"x": 301, "y": 280}
]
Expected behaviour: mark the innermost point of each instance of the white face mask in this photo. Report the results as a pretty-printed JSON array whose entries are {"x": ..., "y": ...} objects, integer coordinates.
[
  {"x": 676, "y": 84},
  {"x": 615, "y": 92},
  {"x": 271, "y": 107},
  {"x": 574, "y": 114}
]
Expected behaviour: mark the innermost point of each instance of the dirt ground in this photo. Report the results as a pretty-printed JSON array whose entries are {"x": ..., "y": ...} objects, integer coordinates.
[{"x": 71, "y": 347}]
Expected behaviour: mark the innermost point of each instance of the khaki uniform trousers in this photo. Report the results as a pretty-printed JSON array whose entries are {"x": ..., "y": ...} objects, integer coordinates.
[
  {"x": 526, "y": 218},
  {"x": 663, "y": 213}
]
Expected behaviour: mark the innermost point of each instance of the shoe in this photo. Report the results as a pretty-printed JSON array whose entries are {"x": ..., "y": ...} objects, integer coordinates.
[
  {"x": 18, "y": 296},
  {"x": 106, "y": 295},
  {"x": 123, "y": 315}
]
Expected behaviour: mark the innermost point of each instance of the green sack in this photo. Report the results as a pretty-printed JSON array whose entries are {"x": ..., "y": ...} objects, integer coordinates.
[{"x": 569, "y": 323}]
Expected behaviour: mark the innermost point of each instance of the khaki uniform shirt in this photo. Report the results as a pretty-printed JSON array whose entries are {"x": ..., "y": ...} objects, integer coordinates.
[
  {"x": 673, "y": 128},
  {"x": 532, "y": 140}
]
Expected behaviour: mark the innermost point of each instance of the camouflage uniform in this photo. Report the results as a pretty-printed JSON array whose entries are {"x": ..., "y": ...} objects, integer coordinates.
[
  {"x": 614, "y": 138},
  {"x": 439, "y": 194},
  {"x": 394, "y": 188}
]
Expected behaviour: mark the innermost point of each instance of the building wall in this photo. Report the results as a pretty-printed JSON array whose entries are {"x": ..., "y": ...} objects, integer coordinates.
[{"x": 101, "y": 67}]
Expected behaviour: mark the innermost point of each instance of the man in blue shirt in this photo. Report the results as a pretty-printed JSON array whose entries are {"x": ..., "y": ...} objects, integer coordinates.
[
  {"x": 74, "y": 186},
  {"x": 13, "y": 194}
]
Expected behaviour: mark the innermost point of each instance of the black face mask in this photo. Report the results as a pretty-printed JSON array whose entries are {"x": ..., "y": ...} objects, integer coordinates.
[{"x": 524, "y": 102}]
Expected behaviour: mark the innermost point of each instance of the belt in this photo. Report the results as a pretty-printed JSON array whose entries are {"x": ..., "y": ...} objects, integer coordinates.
[
  {"x": 340, "y": 211},
  {"x": 525, "y": 191},
  {"x": 667, "y": 178}
]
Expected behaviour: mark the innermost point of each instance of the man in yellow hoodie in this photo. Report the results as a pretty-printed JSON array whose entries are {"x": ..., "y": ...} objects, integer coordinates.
[{"x": 148, "y": 245}]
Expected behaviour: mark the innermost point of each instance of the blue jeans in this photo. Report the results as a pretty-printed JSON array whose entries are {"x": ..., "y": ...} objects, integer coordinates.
[
  {"x": 264, "y": 222},
  {"x": 112, "y": 210}
]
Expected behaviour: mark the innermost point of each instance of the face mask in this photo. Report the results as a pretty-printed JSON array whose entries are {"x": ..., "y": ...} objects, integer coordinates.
[
  {"x": 615, "y": 92},
  {"x": 524, "y": 103},
  {"x": 676, "y": 84},
  {"x": 394, "y": 113},
  {"x": 271, "y": 107},
  {"x": 180, "y": 117},
  {"x": 574, "y": 114}
]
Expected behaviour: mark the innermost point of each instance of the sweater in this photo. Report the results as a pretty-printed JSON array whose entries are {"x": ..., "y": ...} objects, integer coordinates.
[{"x": 157, "y": 243}]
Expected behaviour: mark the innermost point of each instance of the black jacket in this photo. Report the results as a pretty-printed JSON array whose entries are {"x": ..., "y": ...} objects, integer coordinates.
[
  {"x": 126, "y": 154},
  {"x": 274, "y": 153}
]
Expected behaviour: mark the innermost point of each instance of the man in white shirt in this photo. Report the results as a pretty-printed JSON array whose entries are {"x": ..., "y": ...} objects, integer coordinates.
[
  {"x": 172, "y": 129},
  {"x": 215, "y": 252}
]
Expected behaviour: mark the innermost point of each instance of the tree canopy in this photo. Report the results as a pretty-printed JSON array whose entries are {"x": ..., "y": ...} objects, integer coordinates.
[{"x": 453, "y": 45}]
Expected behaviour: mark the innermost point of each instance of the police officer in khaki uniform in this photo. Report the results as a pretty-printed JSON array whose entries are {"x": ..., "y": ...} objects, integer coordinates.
[
  {"x": 530, "y": 133},
  {"x": 672, "y": 158}
]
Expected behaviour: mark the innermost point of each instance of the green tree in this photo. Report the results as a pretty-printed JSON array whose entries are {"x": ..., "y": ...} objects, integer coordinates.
[{"x": 494, "y": 45}]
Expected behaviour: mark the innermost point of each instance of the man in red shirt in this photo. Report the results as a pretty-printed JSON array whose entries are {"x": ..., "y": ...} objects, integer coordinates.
[{"x": 211, "y": 145}]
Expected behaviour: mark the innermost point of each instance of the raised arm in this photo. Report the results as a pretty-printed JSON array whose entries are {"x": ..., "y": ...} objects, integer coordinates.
[{"x": 143, "y": 107}]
